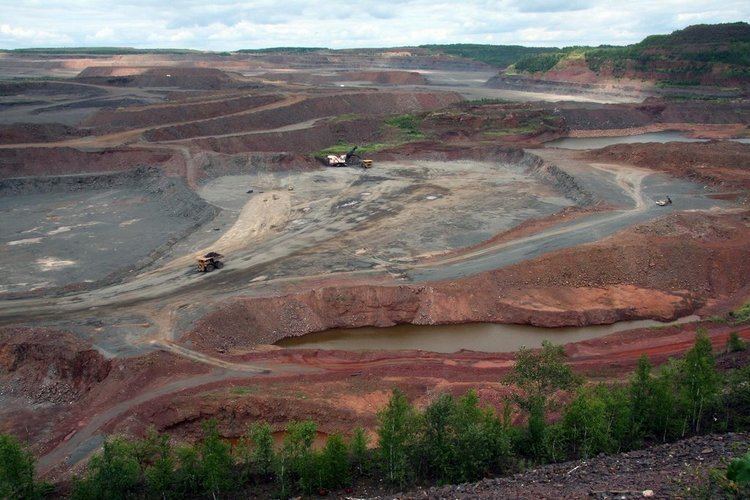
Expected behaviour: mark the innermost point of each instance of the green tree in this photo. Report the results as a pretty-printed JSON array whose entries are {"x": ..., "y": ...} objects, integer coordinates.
[
  {"x": 700, "y": 384},
  {"x": 395, "y": 437},
  {"x": 334, "y": 463},
  {"x": 112, "y": 474},
  {"x": 297, "y": 462},
  {"x": 160, "y": 476},
  {"x": 665, "y": 423},
  {"x": 188, "y": 472},
  {"x": 263, "y": 456},
  {"x": 17, "y": 470},
  {"x": 216, "y": 462},
  {"x": 596, "y": 421},
  {"x": 538, "y": 375},
  {"x": 736, "y": 399},
  {"x": 358, "y": 454},
  {"x": 735, "y": 343}
]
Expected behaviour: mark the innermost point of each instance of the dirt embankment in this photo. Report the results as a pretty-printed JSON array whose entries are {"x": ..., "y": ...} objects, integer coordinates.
[
  {"x": 629, "y": 116},
  {"x": 379, "y": 77},
  {"x": 715, "y": 163},
  {"x": 49, "y": 88},
  {"x": 113, "y": 119},
  {"x": 300, "y": 141},
  {"x": 21, "y": 162},
  {"x": 48, "y": 366},
  {"x": 661, "y": 270},
  {"x": 20, "y": 133},
  {"x": 365, "y": 103},
  {"x": 181, "y": 77}
]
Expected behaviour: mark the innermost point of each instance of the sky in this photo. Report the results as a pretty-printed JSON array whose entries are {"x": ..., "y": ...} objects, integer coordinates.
[{"x": 231, "y": 25}]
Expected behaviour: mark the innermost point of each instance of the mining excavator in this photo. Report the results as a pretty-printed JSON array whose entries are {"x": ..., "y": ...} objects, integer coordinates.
[{"x": 350, "y": 159}]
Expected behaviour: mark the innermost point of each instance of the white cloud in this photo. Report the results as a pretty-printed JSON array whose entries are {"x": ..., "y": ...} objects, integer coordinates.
[{"x": 228, "y": 24}]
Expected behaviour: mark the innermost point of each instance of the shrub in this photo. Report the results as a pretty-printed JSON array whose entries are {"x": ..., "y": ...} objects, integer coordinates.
[
  {"x": 700, "y": 384},
  {"x": 334, "y": 463},
  {"x": 17, "y": 471},
  {"x": 358, "y": 453},
  {"x": 395, "y": 437},
  {"x": 296, "y": 465},
  {"x": 216, "y": 464},
  {"x": 112, "y": 474},
  {"x": 539, "y": 374},
  {"x": 735, "y": 343}
]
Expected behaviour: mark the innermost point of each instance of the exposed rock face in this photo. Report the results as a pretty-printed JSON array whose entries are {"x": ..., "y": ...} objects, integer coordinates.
[
  {"x": 250, "y": 321},
  {"x": 48, "y": 366},
  {"x": 651, "y": 271}
]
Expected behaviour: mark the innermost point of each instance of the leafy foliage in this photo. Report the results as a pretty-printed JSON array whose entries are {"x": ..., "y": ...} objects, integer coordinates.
[
  {"x": 494, "y": 55},
  {"x": 17, "y": 471}
]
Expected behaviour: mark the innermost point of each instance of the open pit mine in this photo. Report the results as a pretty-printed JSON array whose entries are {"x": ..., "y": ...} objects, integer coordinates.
[{"x": 195, "y": 237}]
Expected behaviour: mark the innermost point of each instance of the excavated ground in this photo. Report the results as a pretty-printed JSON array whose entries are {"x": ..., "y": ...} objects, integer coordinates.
[{"x": 113, "y": 181}]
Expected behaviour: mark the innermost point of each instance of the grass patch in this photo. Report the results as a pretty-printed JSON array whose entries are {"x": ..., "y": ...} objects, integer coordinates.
[
  {"x": 484, "y": 101},
  {"x": 407, "y": 124},
  {"x": 511, "y": 131},
  {"x": 347, "y": 117},
  {"x": 742, "y": 315},
  {"x": 244, "y": 390},
  {"x": 342, "y": 148}
]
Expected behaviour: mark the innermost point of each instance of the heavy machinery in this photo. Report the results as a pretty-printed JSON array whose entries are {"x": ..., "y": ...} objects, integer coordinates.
[
  {"x": 664, "y": 202},
  {"x": 350, "y": 159},
  {"x": 209, "y": 262}
]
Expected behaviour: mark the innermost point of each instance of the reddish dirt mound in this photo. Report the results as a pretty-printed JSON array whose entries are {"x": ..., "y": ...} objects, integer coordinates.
[
  {"x": 111, "y": 119},
  {"x": 381, "y": 77},
  {"x": 187, "y": 78},
  {"x": 48, "y": 365},
  {"x": 626, "y": 116},
  {"x": 365, "y": 103},
  {"x": 718, "y": 163},
  {"x": 23, "y": 162},
  {"x": 19, "y": 133},
  {"x": 386, "y": 77},
  {"x": 302, "y": 141}
]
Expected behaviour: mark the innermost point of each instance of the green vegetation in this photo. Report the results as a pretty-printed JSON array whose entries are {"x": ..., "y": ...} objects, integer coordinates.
[
  {"x": 494, "y": 55},
  {"x": 408, "y": 125},
  {"x": 741, "y": 315},
  {"x": 539, "y": 62},
  {"x": 683, "y": 58},
  {"x": 17, "y": 471},
  {"x": 735, "y": 343},
  {"x": 343, "y": 147},
  {"x": 451, "y": 440}
]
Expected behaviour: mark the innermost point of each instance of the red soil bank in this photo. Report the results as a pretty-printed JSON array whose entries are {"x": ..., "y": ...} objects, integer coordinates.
[
  {"x": 188, "y": 78},
  {"x": 22, "y": 162},
  {"x": 109, "y": 119},
  {"x": 718, "y": 163},
  {"x": 303, "y": 141},
  {"x": 315, "y": 107}
]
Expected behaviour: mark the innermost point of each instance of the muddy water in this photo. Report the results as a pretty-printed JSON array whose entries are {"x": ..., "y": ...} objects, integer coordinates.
[
  {"x": 482, "y": 337},
  {"x": 601, "y": 142}
]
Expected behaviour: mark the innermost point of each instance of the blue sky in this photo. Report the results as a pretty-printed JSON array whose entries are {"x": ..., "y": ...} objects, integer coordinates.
[{"x": 228, "y": 25}]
